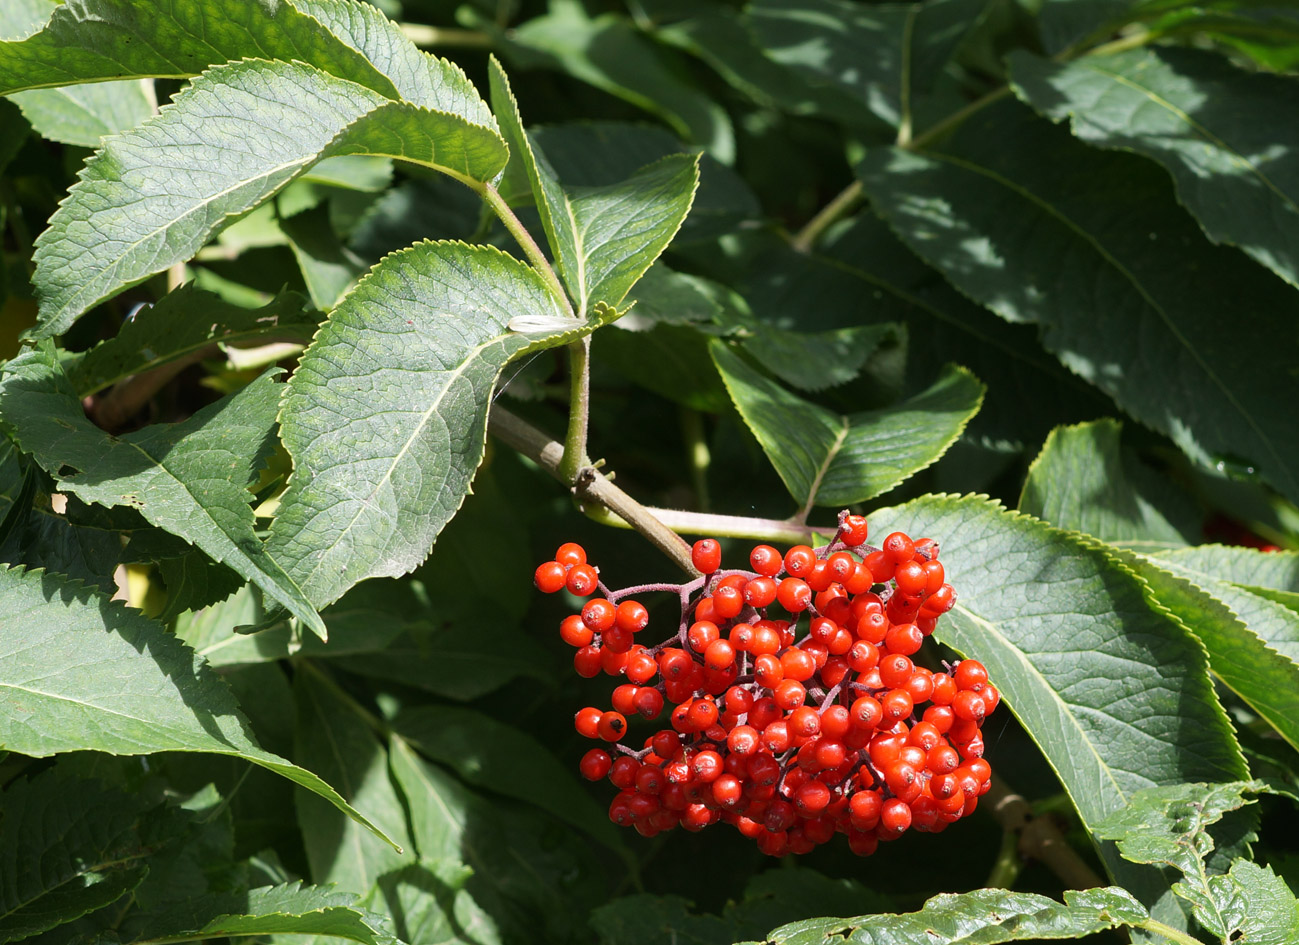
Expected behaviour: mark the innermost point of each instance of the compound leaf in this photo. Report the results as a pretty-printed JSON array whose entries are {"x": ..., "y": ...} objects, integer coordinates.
[
  {"x": 81, "y": 672},
  {"x": 85, "y": 837},
  {"x": 980, "y": 917},
  {"x": 1041, "y": 229},
  {"x": 1114, "y": 692},
  {"x": 603, "y": 238},
  {"x": 386, "y": 415},
  {"x": 826, "y": 458},
  {"x": 188, "y": 478},
  {"x": 154, "y": 196},
  {"x": 1227, "y": 136}
]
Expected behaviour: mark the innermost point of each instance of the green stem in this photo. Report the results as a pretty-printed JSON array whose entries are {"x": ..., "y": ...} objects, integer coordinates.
[
  {"x": 725, "y": 526},
  {"x": 843, "y": 202},
  {"x": 1008, "y": 865},
  {"x": 846, "y": 200},
  {"x": 526, "y": 243},
  {"x": 579, "y": 408},
  {"x": 422, "y": 35},
  {"x": 380, "y": 727},
  {"x": 920, "y": 142},
  {"x": 692, "y": 426},
  {"x": 1168, "y": 932}
]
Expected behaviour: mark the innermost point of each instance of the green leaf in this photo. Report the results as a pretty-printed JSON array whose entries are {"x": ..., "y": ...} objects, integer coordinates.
[
  {"x": 151, "y": 198},
  {"x": 883, "y": 54},
  {"x": 94, "y": 40},
  {"x": 1212, "y": 126},
  {"x": 332, "y": 738},
  {"x": 1246, "y": 637},
  {"x": 181, "y": 326},
  {"x": 490, "y": 754},
  {"x": 1169, "y": 827},
  {"x": 826, "y": 458},
  {"x": 33, "y": 534},
  {"x": 1029, "y": 391},
  {"x": 605, "y": 153},
  {"x": 82, "y": 115},
  {"x": 328, "y": 267},
  {"x": 603, "y": 237},
  {"x": 493, "y": 837},
  {"x": 408, "y": 362},
  {"x": 1083, "y": 481},
  {"x": 1228, "y": 571},
  {"x": 1114, "y": 692},
  {"x": 1067, "y": 23},
  {"x": 608, "y": 52},
  {"x": 290, "y": 909},
  {"x": 981, "y": 917},
  {"x": 1042, "y": 229},
  {"x": 81, "y": 672},
  {"x": 726, "y": 41},
  {"x": 429, "y": 903},
  {"x": 1248, "y": 567},
  {"x": 85, "y": 837},
  {"x": 418, "y": 77},
  {"x": 188, "y": 478}
]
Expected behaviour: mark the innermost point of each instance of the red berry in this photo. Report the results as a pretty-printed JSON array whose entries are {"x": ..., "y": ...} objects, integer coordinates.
[
  {"x": 766, "y": 560},
  {"x": 706, "y": 555},
  {"x": 760, "y": 592},
  {"x": 612, "y": 726},
  {"x": 595, "y": 764},
  {"x": 574, "y": 631},
  {"x": 719, "y": 654},
  {"x": 728, "y": 601},
  {"x": 587, "y": 722},
  {"x": 799, "y": 561},
  {"x": 582, "y": 580},
  {"x": 970, "y": 674},
  {"x": 570, "y": 553},
  {"x": 853, "y": 530},
  {"x": 549, "y": 577},
  {"x": 598, "y": 614},
  {"x": 632, "y": 616},
  {"x": 794, "y": 594},
  {"x": 898, "y": 548}
]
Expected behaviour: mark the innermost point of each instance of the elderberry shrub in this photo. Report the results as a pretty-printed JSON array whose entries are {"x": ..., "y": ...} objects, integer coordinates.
[{"x": 794, "y": 708}]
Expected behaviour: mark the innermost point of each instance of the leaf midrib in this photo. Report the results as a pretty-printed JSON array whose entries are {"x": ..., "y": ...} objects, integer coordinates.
[
  {"x": 993, "y": 630},
  {"x": 1129, "y": 276},
  {"x": 405, "y": 447},
  {"x": 1162, "y": 102}
]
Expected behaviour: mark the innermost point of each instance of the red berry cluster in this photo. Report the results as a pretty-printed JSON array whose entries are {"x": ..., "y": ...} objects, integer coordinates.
[{"x": 790, "y": 731}]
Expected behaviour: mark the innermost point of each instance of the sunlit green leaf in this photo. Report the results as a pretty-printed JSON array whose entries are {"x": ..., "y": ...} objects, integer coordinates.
[
  {"x": 154, "y": 196},
  {"x": 826, "y": 458},
  {"x": 83, "y": 673}
]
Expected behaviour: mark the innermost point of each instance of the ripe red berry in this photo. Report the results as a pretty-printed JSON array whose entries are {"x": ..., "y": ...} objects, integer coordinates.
[
  {"x": 632, "y": 616},
  {"x": 706, "y": 555},
  {"x": 970, "y": 674},
  {"x": 549, "y": 577},
  {"x": 570, "y": 553},
  {"x": 595, "y": 764},
  {"x": 898, "y": 548},
  {"x": 766, "y": 560},
  {"x": 794, "y": 594},
  {"x": 587, "y": 722},
  {"x": 582, "y": 580},
  {"x": 853, "y": 530},
  {"x": 598, "y": 614},
  {"x": 760, "y": 592},
  {"x": 612, "y": 726}
]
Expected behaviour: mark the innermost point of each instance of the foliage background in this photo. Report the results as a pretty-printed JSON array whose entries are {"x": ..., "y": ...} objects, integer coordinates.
[{"x": 1042, "y": 253}]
